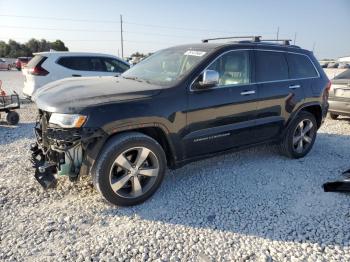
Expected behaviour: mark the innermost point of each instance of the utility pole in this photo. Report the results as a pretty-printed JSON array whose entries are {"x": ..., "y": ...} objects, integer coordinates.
[
  {"x": 121, "y": 35},
  {"x": 313, "y": 47},
  {"x": 295, "y": 37},
  {"x": 278, "y": 32}
]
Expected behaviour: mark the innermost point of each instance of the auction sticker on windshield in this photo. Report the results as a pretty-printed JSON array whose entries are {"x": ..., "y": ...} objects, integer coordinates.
[{"x": 195, "y": 53}]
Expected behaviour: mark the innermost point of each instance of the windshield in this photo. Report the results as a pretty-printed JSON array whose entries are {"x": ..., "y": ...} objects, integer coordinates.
[
  {"x": 344, "y": 75},
  {"x": 166, "y": 67}
]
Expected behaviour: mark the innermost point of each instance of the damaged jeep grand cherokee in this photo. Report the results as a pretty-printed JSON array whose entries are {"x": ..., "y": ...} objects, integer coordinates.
[{"x": 179, "y": 105}]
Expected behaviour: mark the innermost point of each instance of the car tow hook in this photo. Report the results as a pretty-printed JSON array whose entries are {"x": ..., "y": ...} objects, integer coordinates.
[{"x": 338, "y": 186}]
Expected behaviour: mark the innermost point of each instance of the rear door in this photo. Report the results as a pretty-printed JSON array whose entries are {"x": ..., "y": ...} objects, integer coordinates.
[
  {"x": 278, "y": 94},
  {"x": 221, "y": 118}
]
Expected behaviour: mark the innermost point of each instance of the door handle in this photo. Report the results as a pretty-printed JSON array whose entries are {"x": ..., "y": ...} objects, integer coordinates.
[
  {"x": 294, "y": 86},
  {"x": 76, "y": 75},
  {"x": 250, "y": 92}
]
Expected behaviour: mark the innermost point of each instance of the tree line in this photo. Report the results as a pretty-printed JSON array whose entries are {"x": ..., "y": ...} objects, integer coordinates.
[{"x": 13, "y": 49}]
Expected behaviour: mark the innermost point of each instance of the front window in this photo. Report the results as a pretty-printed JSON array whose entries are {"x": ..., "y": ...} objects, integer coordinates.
[
  {"x": 166, "y": 67},
  {"x": 233, "y": 68}
]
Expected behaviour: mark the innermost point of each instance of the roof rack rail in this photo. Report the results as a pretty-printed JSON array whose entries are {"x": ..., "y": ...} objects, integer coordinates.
[
  {"x": 285, "y": 41},
  {"x": 254, "y": 38}
]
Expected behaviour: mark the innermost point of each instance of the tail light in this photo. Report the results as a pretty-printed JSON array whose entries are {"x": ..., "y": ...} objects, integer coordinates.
[
  {"x": 326, "y": 90},
  {"x": 38, "y": 71}
]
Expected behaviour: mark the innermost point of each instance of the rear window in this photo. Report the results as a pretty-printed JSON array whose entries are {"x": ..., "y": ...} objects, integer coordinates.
[
  {"x": 270, "y": 66},
  {"x": 35, "y": 61},
  {"x": 300, "y": 66}
]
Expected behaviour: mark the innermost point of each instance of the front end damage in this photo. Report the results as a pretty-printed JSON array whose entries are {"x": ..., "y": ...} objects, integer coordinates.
[{"x": 62, "y": 151}]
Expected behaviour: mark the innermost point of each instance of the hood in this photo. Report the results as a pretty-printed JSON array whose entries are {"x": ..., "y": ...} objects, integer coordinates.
[{"x": 73, "y": 94}]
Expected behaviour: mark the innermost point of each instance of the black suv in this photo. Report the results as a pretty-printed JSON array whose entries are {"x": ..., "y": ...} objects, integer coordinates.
[{"x": 179, "y": 105}]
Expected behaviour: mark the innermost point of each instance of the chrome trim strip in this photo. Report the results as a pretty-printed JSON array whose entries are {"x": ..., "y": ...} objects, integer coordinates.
[
  {"x": 250, "y": 92},
  {"x": 254, "y": 83},
  {"x": 294, "y": 86}
]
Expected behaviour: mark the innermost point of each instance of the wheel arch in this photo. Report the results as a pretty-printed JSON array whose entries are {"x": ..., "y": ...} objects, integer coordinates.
[
  {"x": 316, "y": 110},
  {"x": 156, "y": 131},
  {"x": 313, "y": 108}
]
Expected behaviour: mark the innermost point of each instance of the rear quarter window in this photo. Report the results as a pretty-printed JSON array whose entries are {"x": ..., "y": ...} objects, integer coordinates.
[
  {"x": 300, "y": 66},
  {"x": 113, "y": 65},
  {"x": 270, "y": 66},
  {"x": 35, "y": 61}
]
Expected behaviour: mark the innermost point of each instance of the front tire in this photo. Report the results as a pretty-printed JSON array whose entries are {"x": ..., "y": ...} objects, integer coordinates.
[
  {"x": 300, "y": 136},
  {"x": 129, "y": 169}
]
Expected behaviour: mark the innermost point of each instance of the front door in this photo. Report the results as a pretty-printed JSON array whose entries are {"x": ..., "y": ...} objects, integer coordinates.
[{"x": 222, "y": 117}]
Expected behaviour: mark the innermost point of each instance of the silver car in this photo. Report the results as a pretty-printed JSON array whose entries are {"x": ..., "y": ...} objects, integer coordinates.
[
  {"x": 4, "y": 64},
  {"x": 339, "y": 95}
]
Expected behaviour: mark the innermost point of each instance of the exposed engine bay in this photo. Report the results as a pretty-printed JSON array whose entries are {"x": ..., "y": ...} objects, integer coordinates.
[{"x": 60, "y": 151}]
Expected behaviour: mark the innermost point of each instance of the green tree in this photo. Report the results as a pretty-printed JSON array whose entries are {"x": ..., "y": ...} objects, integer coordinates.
[
  {"x": 58, "y": 45},
  {"x": 14, "y": 49}
]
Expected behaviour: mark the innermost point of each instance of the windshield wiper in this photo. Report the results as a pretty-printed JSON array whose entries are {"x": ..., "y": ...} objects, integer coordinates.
[
  {"x": 131, "y": 77},
  {"x": 136, "y": 79}
]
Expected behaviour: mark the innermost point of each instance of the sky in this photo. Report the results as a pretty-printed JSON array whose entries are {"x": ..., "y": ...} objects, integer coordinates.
[{"x": 94, "y": 25}]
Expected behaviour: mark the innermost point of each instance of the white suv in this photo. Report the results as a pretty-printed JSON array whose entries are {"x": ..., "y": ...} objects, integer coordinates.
[{"x": 46, "y": 67}]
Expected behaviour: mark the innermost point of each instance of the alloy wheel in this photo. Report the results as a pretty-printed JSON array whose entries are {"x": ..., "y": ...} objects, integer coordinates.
[
  {"x": 303, "y": 136},
  {"x": 134, "y": 172}
]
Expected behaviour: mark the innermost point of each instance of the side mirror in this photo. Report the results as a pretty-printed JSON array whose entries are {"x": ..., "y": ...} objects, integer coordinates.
[{"x": 210, "y": 79}]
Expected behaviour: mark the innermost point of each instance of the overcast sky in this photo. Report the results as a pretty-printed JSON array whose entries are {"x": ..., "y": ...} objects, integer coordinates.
[{"x": 152, "y": 25}]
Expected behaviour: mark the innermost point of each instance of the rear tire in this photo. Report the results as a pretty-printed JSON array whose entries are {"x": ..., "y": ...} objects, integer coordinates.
[
  {"x": 12, "y": 118},
  {"x": 130, "y": 169},
  {"x": 300, "y": 136},
  {"x": 333, "y": 116}
]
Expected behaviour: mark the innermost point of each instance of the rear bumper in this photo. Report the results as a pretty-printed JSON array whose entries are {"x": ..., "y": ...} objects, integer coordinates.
[
  {"x": 341, "y": 107},
  {"x": 29, "y": 88}
]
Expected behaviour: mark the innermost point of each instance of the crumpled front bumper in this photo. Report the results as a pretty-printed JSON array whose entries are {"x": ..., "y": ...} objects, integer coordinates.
[{"x": 60, "y": 151}]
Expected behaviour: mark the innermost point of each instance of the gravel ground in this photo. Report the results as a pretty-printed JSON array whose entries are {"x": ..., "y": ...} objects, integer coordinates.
[{"x": 254, "y": 205}]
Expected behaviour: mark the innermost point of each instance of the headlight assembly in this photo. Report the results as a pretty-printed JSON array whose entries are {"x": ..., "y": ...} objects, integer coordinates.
[{"x": 67, "y": 120}]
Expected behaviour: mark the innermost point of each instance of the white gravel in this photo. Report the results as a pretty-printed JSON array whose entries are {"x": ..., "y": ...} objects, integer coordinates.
[{"x": 254, "y": 205}]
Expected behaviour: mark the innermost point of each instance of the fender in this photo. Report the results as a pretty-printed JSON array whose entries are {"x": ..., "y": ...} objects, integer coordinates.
[
  {"x": 296, "y": 112},
  {"x": 141, "y": 125}
]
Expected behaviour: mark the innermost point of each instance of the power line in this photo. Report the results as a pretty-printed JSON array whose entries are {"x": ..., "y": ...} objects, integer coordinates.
[
  {"x": 103, "y": 31},
  {"x": 59, "y": 29},
  {"x": 97, "y": 40},
  {"x": 61, "y": 19},
  {"x": 126, "y": 22}
]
